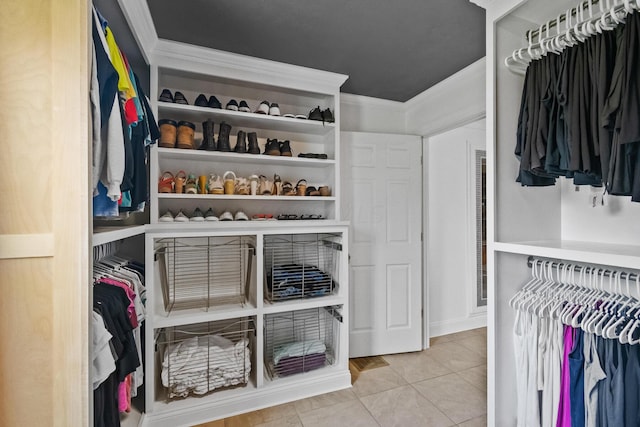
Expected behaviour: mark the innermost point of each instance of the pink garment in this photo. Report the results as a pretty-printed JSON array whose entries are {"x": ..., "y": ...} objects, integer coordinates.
[
  {"x": 124, "y": 394},
  {"x": 564, "y": 408},
  {"x": 131, "y": 295}
]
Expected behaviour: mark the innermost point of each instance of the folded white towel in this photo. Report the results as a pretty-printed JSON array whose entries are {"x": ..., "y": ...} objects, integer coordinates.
[{"x": 300, "y": 348}]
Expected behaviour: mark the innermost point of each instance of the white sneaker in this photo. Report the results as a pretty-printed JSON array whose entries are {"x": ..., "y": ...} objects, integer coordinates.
[
  {"x": 241, "y": 216},
  {"x": 226, "y": 216},
  {"x": 210, "y": 216},
  {"x": 181, "y": 217},
  {"x": 167, "y": 217},
  {"x": 274, "y": 110}
]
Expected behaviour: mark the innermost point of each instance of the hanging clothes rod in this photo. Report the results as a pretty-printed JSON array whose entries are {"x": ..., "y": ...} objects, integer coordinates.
[
  {"x": 588, "y": 22},
  {"x": 531, "y": 34},
  {"x": 578, "y": 268}
]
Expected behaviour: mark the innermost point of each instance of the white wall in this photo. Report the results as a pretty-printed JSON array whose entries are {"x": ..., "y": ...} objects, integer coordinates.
[
  {"x": 366, "y": 114},
  {"x": 457, "y": 100},
  {"x": 451, "y": 283}
]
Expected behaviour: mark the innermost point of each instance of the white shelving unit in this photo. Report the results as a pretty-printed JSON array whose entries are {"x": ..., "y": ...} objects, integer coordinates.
[
  {"x": 261, "y": 391},
  {"x": 552, "y": 222},
  {"x": 193, "y": 70}
]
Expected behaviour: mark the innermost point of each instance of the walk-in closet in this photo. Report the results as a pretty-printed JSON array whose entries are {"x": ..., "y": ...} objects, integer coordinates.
[{"x": 556, "y": 231}]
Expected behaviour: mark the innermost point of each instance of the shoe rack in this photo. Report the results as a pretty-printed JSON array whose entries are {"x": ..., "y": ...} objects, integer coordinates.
[
  {"x": 296, "y": 90},
  {"x": 234, "y": 278}
]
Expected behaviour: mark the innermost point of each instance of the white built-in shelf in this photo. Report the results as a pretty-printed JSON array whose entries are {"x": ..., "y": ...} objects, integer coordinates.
[
  {"x": 624, "y": 256},
  {"x": 241, "y": 228},
  {"x": 105, "y": 234},
  {"x": 242, "y": 158},
  {"x": 164, "y": 196},
  {"x": 301, "y": 304},
  {"x": 193, "y": 113},
  {"x": 200, "y": 315}
]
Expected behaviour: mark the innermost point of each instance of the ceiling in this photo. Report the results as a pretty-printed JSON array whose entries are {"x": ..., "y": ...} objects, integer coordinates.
[{"x": 390, "y": 49}]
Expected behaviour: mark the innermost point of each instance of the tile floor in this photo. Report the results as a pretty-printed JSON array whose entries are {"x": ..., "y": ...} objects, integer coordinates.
[{"x": 442, "y": 386}]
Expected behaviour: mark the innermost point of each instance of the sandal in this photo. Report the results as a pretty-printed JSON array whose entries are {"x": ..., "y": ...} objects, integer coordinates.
[
  {"x": 215, "y": 184},
  {"x": 301, "y": 187},
  {"x": 311, "y": 191},
  {"x": 229, "y": 179},
  {"x": 253, "y": 184},
  {"x": 324, "y": 190},
  {"x": 286, "y": 217},
  {"x": 242, "y": 186},
  {"x": 181, "y": 179},
  {"x": 308, "y": 217},
  {"x": 165, "y": 183},
  {"x": 191, "y": 187},
  {"x": 262, "y": 217},
  {"x": 277, "y": 185},
  {"x": 287, "y": 189},
  {"x": 266, "y": 187}
]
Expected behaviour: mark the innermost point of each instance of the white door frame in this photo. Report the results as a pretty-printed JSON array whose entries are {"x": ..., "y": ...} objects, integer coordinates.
[{"x": 425, "y": 217}]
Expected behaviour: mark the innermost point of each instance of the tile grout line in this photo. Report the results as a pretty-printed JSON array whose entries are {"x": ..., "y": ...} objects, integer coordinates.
[{"x": 434, "y": 405}]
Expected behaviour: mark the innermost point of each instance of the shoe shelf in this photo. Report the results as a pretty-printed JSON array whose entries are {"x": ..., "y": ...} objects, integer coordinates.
[
  {"x": 242, "y": 159},
  {"x": 242, "y": 120},
  {"x": 250, "y": 198}
]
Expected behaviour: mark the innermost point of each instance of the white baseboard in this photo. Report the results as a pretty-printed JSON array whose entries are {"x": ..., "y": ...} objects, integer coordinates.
[{"x": 446, "y": 327}]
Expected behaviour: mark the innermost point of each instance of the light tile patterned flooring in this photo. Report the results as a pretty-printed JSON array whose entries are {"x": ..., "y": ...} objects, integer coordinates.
[{"x": 445, "y": 385}]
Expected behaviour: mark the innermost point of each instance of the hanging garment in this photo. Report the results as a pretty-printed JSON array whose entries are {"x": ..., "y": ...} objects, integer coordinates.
[
  {"x": 593, "y": 374},
  {"x": 576, "y": 379}
]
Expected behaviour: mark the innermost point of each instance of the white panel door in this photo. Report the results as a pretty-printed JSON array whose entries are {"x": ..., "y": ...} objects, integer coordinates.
[{"x": 382, "y": 198}]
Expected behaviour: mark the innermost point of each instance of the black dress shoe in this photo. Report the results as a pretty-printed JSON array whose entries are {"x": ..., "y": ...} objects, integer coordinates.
[
  {"x": 272, "y": 148},
  {"x": 213, "y": 102},
  {"x": 179, "y": 98},
  {"x": 201, "y": 101},
  {"x": 166, "y": 96}
]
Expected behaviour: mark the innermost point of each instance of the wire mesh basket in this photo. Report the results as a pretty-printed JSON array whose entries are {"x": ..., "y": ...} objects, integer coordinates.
[
  {"x": 301, "y": 266},
  {"x": 204, "y": 272},
  {"x": 198, "y": 359},
  {"x": 301, "y": 341}
]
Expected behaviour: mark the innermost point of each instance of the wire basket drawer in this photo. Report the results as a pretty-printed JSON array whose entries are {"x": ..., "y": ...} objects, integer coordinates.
[
  {"x": 301, "y": 341},
  {"x": 204, "y": 272},
  {"x": 301, "y": 266},
  {"x": 198, "y": 359}
]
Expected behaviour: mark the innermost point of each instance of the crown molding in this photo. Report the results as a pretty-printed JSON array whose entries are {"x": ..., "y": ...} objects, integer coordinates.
[
  {"x": 198, "y": 59},
  {"x": 359, "y": 100},
  {"x": 482, "y": 3},
  {"x": 138, "y": 16}
]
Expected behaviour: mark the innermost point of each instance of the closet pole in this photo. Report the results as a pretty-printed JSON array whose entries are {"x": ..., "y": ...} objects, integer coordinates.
[{"x": 579, "y": 268}]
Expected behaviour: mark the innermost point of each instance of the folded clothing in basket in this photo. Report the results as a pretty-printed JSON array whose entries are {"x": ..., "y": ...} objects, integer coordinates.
[
  {"x": 301, "y": 356},
  {"x": 297, "y": 281},
  {"x": 202, "y": 364},
  {"x": 299, "y": 364}
]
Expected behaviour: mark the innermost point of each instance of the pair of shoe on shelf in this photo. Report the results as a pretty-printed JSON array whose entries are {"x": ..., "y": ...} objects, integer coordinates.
[
  {"x": 291, "y": 217},
  {"x": 322, "y": 115},
  {"x": 198, "y": 216},
  {"x": 234, "y": 106},
  {"x": 272, "y": 109},
  {"x": 210, "y": 144},
  {"x": 274, "y": 147},
  {"x": 212, "y": 102},
  {"x": 178, "y": 98},
  {"x": 314, "y": 156},
  {"x": 179, "y": 184}
]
